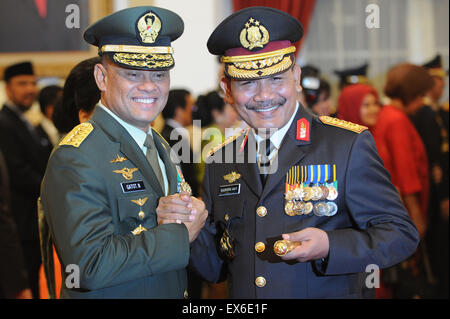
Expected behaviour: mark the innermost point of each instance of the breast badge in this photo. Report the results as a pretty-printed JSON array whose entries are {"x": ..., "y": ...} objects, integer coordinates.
[
  {"x": 126, "y": 172},
  {"x": 232, "y": 177},
  {"x": 311, "y": 188}
]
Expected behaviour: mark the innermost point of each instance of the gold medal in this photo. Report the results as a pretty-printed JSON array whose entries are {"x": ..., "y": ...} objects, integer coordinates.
[
  {"x": 308, "y": 193},
  {"x": 299, "y": 208},
  {"x": 289, "y": 195},
  {"x": 289, "y": 208},
  {"x": 308, "y": 208}
]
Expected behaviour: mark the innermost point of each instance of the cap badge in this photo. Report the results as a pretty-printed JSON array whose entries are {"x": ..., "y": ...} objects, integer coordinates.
[
  {"x": 254, "y": 35},
  {"x": 149, "y": 26}
]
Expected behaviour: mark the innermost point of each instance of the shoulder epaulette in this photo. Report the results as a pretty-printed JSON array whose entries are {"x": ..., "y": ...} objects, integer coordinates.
[
  {"x": 227, "y": 141},
  {"x": 343, "y": 124},
  {"x": 77, "y": 135}
]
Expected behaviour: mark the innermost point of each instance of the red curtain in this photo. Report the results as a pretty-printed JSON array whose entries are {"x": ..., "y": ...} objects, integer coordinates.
[{"x": 300, "y": 9}]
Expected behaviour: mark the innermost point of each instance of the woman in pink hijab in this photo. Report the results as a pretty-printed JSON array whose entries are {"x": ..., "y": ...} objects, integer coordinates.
[{"x": 358, "y": 103}]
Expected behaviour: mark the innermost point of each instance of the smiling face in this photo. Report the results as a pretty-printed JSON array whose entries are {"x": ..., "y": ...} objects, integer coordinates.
[
  {"x": 136, "y": 96},
  {"x": 265, "y": 103},
  {"x": 370, "y": 108}
]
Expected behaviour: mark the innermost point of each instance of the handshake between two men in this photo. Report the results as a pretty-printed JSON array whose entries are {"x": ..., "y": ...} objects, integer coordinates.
[{"x": 183, "y": 208}]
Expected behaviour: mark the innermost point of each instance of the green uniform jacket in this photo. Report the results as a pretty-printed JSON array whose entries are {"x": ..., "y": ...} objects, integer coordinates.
[{"x": 92, "y": 210}]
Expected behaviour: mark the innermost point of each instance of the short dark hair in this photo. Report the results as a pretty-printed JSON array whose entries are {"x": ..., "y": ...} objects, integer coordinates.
[
  {"x": 407, "y": 82},
  {"x": 176, "y": 99},
  {"x": 205, "y": 105},
  {"x": 80, "y": 93},
  {"x": 49, "y": 96},
  {"x": 325, "y": 88}
]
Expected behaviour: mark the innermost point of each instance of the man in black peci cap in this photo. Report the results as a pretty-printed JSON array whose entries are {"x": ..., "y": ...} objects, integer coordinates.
[
  {"x": 107, "y": 178},
  {"x": 300, "y": 206},
  {"x": 26, "y": 154}
]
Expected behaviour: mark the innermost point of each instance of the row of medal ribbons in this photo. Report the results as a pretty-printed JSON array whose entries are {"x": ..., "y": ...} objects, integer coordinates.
[{"x": 311, "y": 188}]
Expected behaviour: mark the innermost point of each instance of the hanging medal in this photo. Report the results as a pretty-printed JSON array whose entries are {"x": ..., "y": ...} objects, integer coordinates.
[{"x": 182, "y": 185}]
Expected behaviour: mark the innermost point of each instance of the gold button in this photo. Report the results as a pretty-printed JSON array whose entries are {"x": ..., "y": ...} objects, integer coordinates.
[
  {"x": 226, "y": 217},
  {"x": 186, "y": 295},
  {"x": 260, "y": 281},
  {"x": 259, "y": 247},
  {"x": 141, "y": 214},
  {"x": 261, "y": 211}
]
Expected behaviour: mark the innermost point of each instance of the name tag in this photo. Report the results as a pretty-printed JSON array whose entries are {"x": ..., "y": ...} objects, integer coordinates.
[
  {"x": 133, "y": 187},
  {"x": 227, "y": 190}
]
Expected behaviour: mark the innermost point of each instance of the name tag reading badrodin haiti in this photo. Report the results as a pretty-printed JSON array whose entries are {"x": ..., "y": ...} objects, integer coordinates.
[{"x": 227, "y": 190}]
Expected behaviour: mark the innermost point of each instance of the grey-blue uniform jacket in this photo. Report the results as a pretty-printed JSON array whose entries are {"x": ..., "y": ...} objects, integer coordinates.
[
  {"x": 98, "y": 188},
  {"x": 371, "y": 225}
]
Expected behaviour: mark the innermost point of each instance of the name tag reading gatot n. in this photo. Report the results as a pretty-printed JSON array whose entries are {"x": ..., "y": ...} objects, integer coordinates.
[
  {"x": 227, "y": 190},
  {"x": 133, "y": 186}
]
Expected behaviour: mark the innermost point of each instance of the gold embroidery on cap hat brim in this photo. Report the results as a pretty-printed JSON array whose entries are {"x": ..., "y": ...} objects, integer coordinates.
[
  {"x": 258, "y": 56},
  {"x": 254, "y": 74},
  {"x": 144, "y": 60},
  {"x": 136, "y": 49}
]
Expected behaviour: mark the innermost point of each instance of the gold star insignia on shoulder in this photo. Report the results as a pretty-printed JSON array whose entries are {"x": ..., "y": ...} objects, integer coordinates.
[
  {"x": 118, "y": 159},
  {"x": 77, "y": 135},
  {"x": 126, "y": 172},
  {"x": 233, "y": 176},
  {"x": 343, "y": 124}
]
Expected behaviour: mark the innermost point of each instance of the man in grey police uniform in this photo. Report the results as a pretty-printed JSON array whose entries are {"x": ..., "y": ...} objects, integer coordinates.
[
  {"x": 106, "y": 179},
  {"x": 328, "y": 195}
]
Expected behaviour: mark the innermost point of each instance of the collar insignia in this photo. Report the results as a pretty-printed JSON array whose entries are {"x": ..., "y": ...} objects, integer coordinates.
[{"x": 118, "y": 159}]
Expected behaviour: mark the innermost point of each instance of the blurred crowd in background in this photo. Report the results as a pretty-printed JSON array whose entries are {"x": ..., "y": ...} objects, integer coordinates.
[{"x": 408, "y": 120}]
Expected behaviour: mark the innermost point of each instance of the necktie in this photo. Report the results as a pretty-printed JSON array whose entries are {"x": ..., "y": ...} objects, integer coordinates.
[
  {"x": 152, "y": 157},
  {"x": 264, "y": 151}
]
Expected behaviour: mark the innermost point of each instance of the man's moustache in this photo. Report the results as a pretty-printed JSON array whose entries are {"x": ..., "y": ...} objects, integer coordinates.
[{"x": 265, "y": 104}]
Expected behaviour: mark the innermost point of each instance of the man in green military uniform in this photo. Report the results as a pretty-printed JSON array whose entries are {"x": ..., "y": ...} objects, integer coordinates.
[{"x": 108, "y": 176}]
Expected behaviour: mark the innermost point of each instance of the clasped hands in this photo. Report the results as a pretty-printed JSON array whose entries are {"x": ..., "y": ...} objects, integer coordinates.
[{"x": 182, "y": 208}]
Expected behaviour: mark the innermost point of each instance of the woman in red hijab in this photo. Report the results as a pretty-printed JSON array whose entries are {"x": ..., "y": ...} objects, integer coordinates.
[{"x": 358, "y": 103}]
